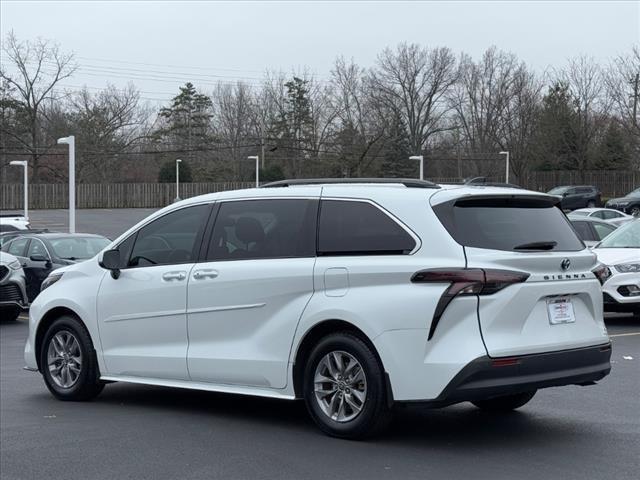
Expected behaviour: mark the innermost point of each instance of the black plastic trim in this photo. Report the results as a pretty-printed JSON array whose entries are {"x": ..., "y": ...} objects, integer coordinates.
[{"x": 481, "y": 379}]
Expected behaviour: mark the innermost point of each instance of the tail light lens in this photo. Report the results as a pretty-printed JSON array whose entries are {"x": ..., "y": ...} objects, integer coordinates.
[
  {"x": 465, "y": 281},
  {"x": 602, "y": 273}
]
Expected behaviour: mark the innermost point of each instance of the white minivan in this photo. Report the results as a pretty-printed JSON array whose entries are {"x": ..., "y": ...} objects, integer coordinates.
[{"x": 354, "y": 295}]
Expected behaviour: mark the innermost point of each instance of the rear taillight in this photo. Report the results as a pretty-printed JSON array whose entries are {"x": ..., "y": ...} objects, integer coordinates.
[
  {"x": 465, "y": 281},
  {"x": 602, "y": 273}
]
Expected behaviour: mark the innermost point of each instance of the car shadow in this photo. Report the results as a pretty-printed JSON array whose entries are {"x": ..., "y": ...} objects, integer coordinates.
[{"x": 452, "y": 427}]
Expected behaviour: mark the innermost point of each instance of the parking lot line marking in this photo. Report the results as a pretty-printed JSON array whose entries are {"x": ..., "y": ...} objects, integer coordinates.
[{"x": 625, "y": 334}]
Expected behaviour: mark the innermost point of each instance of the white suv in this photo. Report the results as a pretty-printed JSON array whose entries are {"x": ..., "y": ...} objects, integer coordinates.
[{"x": 353, "y": 295}]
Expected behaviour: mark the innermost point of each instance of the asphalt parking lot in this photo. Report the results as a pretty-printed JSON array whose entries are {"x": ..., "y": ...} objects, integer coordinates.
[{"x": 140, "y": 432}]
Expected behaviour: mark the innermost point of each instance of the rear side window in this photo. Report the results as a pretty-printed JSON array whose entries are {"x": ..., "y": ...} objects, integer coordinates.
[
  {"x": 360, "y": 228},
  {"x": 260, "y": 229},
  {"x": 602, "y": 230},
  {"x": 507, "y": 223}
]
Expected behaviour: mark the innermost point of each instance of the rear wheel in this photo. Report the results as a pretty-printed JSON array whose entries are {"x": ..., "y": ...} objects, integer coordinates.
[
  {"x": 68, "y": 361},
  {"x": 591, "y": 204},
  {"x": 635, "y": 211},
  {"x": 505, "y": 403},
  {"x": 344, "y": 387}
]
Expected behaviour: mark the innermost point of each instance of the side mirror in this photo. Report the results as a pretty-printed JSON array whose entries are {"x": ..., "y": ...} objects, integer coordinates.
[
  {"x": 38, "y": 258},
  {"x": 111, "y": 261}
]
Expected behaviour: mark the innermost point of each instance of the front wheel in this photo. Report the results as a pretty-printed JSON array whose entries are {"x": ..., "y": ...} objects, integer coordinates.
[
  {"x": 635, "y": 211},
  {"x": 68, "y": 361},
  {"x": 505, "y": 403},
  {"x": 345, "y": 388}
]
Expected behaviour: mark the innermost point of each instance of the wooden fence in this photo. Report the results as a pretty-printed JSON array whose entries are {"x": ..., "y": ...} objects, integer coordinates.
[
  {"x": 107, "y": 195},
  {"x": 153, "y": 195}
]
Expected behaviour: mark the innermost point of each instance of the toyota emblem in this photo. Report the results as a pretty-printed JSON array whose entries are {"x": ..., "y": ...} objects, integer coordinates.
[{"x": 566, "y": 263}]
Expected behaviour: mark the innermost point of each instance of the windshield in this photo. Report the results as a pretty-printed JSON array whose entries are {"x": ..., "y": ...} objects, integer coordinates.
[
  {"x": 627, "y": 236},
  {"x": 558, "y": 190},
  {"x": 635, "y": 193},
  {"x": 78, "y": 248}
]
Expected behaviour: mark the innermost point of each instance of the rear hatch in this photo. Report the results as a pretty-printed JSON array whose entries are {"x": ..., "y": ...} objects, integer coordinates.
[{"x": 551, "y": 299}]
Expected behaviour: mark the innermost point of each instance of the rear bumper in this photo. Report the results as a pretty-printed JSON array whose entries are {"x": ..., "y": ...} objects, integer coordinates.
[{"x": 482, "y": 378}]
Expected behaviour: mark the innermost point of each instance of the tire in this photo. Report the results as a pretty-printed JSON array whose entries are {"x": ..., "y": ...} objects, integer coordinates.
[
  {"x": 10, "y": 314},
  {"x": 505, "y": 403},
  {"x": 68, "y": 335},
  {"x": 369, "y": 380},
  {"x": 635, "y": 211},
  {"x": 591, "y": 204}
]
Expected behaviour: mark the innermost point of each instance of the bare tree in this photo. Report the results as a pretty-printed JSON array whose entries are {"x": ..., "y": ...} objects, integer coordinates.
[
  {"x": 412, "y": 82},
  {"x": 36, "y": 69},
  {"x": 623, "y": 84}
]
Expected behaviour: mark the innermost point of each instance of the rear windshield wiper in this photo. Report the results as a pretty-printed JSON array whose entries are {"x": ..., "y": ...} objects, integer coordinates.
[{"x": 536, "y": 246}]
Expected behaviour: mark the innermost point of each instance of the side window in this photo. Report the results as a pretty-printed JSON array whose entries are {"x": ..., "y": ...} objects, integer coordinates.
[
  {"x": 600, "y": 214},
  {"x": 171, "y": 239},
  {"x": 17, "y": 247},
  {"x": 602, "y": 230},
  {"x": 36, "y": 247},
  {"x": 608, "y": 214},
  {"x": 253, "y": 229},
  {"x": 584, "y": 231},
  {"x": 360, "y": 228}
]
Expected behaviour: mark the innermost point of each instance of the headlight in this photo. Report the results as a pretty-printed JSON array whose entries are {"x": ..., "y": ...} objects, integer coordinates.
[
  {"x": 15, "y": 265},
  {"x": 628, "y": 268},
  {"x": 50, "y": 280}
]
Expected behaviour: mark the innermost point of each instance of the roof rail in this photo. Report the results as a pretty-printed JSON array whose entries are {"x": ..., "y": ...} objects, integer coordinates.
[{"x": 407, "y": 182}]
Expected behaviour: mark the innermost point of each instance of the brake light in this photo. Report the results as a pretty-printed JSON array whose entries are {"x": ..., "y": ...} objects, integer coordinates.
[
  {"x": 465, "y": 281},
  {"x": 602, "y": 273},
  {"x": 505, "y": 362}
]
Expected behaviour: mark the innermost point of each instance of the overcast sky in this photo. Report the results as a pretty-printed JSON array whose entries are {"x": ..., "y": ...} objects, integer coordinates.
[{"x": 157, "y": 44}]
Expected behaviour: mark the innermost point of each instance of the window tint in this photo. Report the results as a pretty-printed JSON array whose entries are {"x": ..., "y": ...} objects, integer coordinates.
[
  {"x": 503, "y": 224},
  {"x": 17, "y": 247},
  {"x": 602, "y": 230},
  {"x": 584, "y": 231},
  {"x": 171, "y": 239},
  {"x": 360, "y": 228},
  {"x": 253, "y": 229},
  {"x": 598, "y": 214},
  {"x": 36, "y": 247},
  {"x": 609, "y": 214}
]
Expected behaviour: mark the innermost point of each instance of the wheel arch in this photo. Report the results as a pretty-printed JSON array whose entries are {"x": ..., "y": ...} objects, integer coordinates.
[
  {"x": 311, "y": 338},
  {"x": 46, "y": 321}
]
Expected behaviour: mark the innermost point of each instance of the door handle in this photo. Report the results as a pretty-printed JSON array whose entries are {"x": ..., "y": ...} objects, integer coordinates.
[
  {"x": 200, "y": 274},
  {"x": 174, "y": 276}
]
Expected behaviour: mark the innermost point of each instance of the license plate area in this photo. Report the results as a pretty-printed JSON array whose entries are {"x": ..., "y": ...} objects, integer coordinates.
[{"x": 560, "y": 310}]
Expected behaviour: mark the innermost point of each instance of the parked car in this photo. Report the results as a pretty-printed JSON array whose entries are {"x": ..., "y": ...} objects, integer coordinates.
[
  {"x": 620, "y": 251},
  {"x": 590, "y": 230},
  {"x": 40, "y": 254},
  {"x": 629, "y": 204},
  {"x": 13, "y": 296},
  {"x": 574, "y": 197},
  {"x": 10, "y": 222},
  {"x": 608, "y": 214},
  {"x": 354, "y": 295},
  {"x": 7, "y": 236}
]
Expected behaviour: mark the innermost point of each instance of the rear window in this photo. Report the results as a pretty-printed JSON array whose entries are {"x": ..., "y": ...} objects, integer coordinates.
[{"x": 504, "y": 224}]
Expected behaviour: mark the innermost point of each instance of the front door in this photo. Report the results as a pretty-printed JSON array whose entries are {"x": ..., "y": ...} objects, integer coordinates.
[
  {"x": 142, "y": 313},
  {"x": 245, "y": 301}
]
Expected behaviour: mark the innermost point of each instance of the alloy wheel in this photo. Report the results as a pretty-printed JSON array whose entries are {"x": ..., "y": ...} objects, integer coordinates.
[
  {"x": 64, "y": 359},
  {"x": 340, "y": 386}
]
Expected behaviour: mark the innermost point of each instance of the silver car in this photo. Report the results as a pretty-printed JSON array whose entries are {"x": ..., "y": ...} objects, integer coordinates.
[{"x": 13, "y": 294}]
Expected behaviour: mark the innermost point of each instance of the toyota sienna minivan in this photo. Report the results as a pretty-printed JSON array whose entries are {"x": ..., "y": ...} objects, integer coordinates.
[{"x": 352, "y": 295}]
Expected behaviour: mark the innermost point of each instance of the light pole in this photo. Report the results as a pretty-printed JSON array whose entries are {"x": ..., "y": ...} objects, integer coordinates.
[
  {"x": 178, "y": 161},
  {"x": 506, "y": 172},
  {"x": 23, "y": 163},
  {"x": 257, "y": 159},
  {"x": 71, "y": 141},
  {"x": 421, "y": 159}
]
